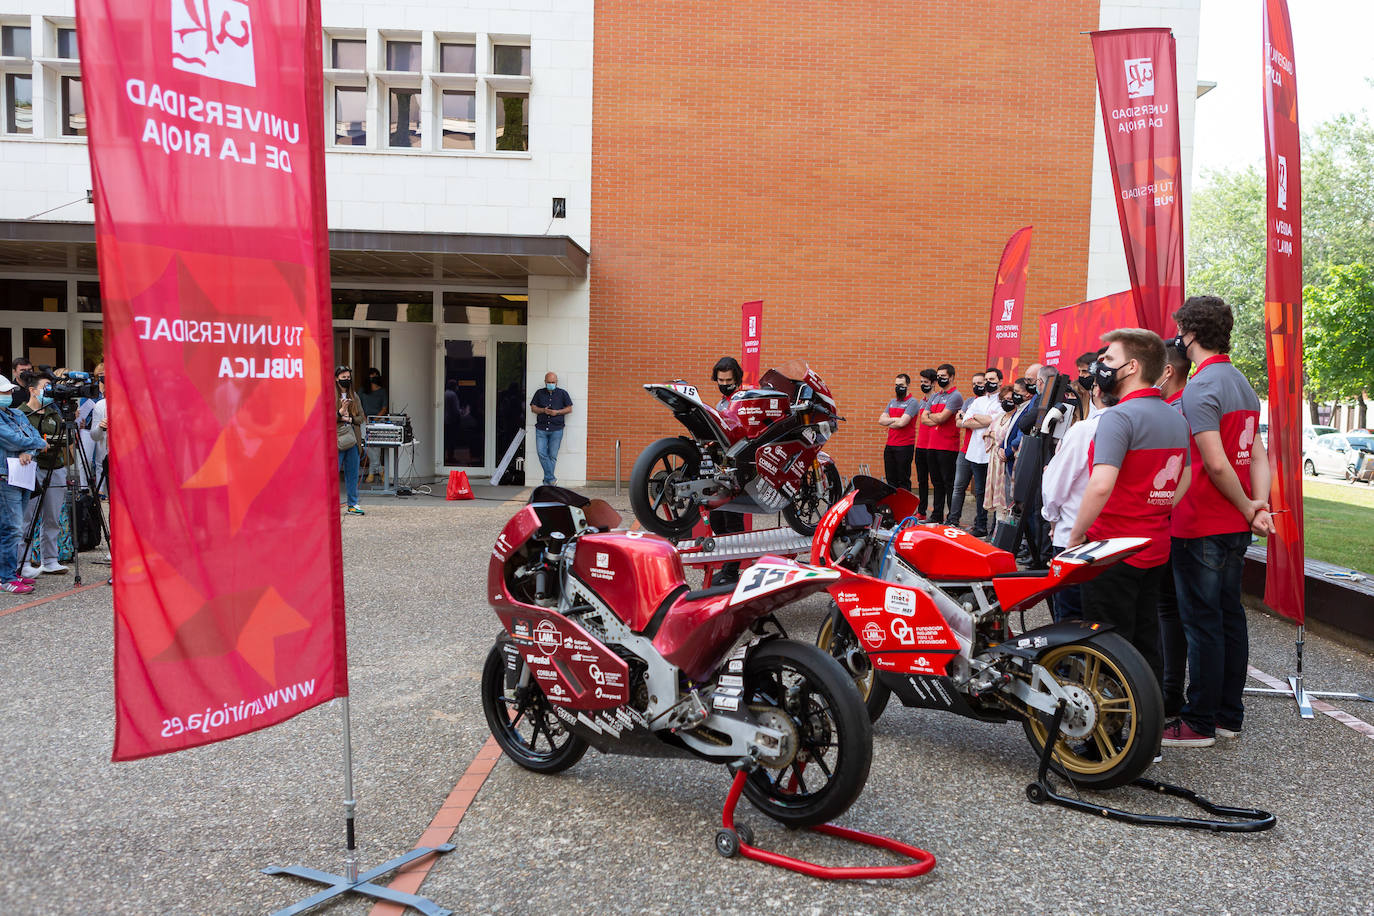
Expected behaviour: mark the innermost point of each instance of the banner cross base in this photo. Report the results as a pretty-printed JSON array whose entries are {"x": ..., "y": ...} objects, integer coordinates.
[
  {"x": 339, "y": 885},
  {"x": 1302, "y": 696}
]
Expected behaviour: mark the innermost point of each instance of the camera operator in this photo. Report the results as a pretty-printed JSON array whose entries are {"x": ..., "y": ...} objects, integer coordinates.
[
  {"x": 48, "y": 422},
  {"x": 18, "y": 439}
]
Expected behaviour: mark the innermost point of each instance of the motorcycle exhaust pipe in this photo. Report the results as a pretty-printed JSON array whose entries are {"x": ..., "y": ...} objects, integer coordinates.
[{"x": 856, "y": 662}]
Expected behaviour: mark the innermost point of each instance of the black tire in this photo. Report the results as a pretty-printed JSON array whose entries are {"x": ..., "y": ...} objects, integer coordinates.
[
  {"x": 727, "y": 843},
  {"x": 563, "y": 747},
  {"x": 1125, "y": 737},
  {"x": 1309, "y": 468},
  {"x": 664, "y": 460},
  {"x": 834, "y": 734},
  {"x": 805, "y": 512},
  {"x": 839, "y": 642}
]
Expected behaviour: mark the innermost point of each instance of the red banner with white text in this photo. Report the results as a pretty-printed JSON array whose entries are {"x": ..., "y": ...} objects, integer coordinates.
[
  {"x": 1285, "y": 572},
  {"x": 1008, "y": 298},
  {"x": 207, "y": 154},
  {"x": 1068, "y": 333},
  {"x": 1137, "y": 83},
  {"x": 751, "y": 340}
]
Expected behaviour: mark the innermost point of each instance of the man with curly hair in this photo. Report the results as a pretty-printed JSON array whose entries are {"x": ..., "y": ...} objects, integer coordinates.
[{"x": 1213, "y": 523}]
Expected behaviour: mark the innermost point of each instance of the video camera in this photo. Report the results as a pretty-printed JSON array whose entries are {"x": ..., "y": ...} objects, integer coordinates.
[{"x": 71, "y": 387}]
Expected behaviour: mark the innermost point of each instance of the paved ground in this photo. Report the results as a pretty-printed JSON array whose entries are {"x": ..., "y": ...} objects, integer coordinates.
[{"x": 187, "y": 833}]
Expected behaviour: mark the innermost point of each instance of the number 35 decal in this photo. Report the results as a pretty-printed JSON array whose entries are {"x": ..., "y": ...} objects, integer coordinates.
[{"x": 765, "y": 577}]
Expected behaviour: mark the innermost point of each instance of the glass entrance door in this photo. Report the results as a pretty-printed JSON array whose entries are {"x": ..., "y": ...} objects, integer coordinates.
[
  {"x": 483, "y": 402},
  {"x": 465, "y": 403}
]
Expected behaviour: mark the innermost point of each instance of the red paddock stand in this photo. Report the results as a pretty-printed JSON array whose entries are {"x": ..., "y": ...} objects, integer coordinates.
[{"x": 732, "y": 841}]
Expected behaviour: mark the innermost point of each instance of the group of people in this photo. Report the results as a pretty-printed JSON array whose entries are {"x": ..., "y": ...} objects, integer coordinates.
[
  {"x": 1139, "y": 449},
  {"x": 33, "y": 432}
]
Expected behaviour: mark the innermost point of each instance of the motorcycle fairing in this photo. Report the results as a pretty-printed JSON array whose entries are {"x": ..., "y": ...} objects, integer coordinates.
[
  {"x": 900, "y": 628},
  {"x": 855, "y": 510},
  {"x": 936, "y": 692},
  {"x": 572, "y": 667},
  {"x": 701, "y": 420},
  {"x": 1032, "y": 644},
  {"x": 632, "y": 572},
  {"x": 756, "y": 409},
  {"x": 1020, "y": 591},
  {"x": 944, "y": 553}
]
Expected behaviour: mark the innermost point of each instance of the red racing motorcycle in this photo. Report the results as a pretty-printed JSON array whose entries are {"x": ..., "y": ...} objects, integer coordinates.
[
  {"x": 762, "y": 454},
  {"x": 604, "y": 646},
  {"x": 929, "y": 619}
]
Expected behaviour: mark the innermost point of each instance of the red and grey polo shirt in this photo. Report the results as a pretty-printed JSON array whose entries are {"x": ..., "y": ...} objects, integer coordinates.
[
  {"x": 905, "y": 435},
  {"x": 945, "y": 437},
  {"x": 1217, "y": 399},
  {"x": 1147, "y": 440}
]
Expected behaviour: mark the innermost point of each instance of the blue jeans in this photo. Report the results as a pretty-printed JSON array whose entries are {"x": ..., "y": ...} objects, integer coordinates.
[
  {"x": 348, "y": 463},
  {"x": 1207, "y": 573},
  {"x": 964, "y": 471},
  {"x": 13, "y": 502},
  {"x": 546, "y": 444}
]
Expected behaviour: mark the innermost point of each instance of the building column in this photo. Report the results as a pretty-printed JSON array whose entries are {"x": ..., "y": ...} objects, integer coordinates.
[{"x": 558, "y": 341}]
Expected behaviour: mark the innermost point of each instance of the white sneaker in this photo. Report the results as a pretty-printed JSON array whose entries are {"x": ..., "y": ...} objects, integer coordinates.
[
  {"x": 31, "y": 572},
  {"x": 54, "y": 567}
]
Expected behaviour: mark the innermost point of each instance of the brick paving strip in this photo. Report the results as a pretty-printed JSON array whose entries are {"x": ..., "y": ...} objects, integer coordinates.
[
  {"x": 442, "y": 828},
  {"x": 1326, "y": 709},
  {"x": 71, "y": 591}
]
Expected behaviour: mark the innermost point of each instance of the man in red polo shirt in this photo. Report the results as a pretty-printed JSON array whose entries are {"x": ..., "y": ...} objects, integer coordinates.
[
  {"x": 898, "y": 419},
  {"x": 923, "y": 444},
  {"x": 944, "y": 440},
  {"x": 1139, "y": 461},
  {"x": 1213, "y": 523}
]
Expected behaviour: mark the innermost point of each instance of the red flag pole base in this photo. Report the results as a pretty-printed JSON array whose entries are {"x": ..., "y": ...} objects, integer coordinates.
[
  {"x": 362, "y": 884},
  {"x": 732, "y": 841},
  {"x": 1300, "y": 694}
]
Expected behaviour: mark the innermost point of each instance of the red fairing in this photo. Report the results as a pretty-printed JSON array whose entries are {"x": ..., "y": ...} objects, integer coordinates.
[
  {"x": 1072, "y": 567},
  {"x": 697, "y": 632},
  {"x": 784, "y": 464},
  {"x": 571, "y": 666},
  {"x": 518, "y": 530},
  {"x": 632, "y": 572},
  {"x": 943, "y": 553},
  {"x": 825, "y": 531},
  {"x": 900, "y": 628},
  {"x": 750, "y": 413}
]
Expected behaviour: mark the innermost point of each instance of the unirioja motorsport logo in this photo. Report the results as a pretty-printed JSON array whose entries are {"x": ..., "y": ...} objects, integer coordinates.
[
  {"x": 214, "y": 38},
  {"x": 1283, "y": 182},
  {"x": 1140, "y": 77}
]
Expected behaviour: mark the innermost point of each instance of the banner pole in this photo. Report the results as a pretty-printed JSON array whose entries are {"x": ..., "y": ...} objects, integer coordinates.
[{"x": 350, "y": 802}]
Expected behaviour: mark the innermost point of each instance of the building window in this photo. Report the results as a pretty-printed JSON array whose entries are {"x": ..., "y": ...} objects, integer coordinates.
[
  {"x": 458, "y": 58},
  {"x": 349, "y": 54},
  {"x": 513, "y": 121},
  {"x": 403, "y": 56},
  {"x": 73, "y": 107},
  {"x": 510, "y": 60},
  {"x": 404, "y": 118},
  {"x": 18, "y": 103},
  {"x": 66, "y": 44},
  {"x": 460, "y": 119},
  {"x": 350, "y": 116},
  {"x": 33, "y": 295},
  {"x": 16, "y": 41}
]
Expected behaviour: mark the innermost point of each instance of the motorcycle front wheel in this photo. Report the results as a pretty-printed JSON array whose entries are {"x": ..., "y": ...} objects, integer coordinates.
[
  {"x": 811, "y": 503},
  {"x": 831, "y": 739},
  {"x": 523, "y": 722},
  {"x": 657, "y": 469},
  {"x": 1111, "y": 675},
  {"x": 840, "y": 643}
]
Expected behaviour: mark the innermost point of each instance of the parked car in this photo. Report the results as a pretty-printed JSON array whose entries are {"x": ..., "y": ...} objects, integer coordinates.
[
  {"x": 1337, "y": 454},
  {"x": 1310, "y": 434}
]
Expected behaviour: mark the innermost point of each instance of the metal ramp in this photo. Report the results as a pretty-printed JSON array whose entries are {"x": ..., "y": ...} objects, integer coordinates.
[{"x": 748, "y": 545}]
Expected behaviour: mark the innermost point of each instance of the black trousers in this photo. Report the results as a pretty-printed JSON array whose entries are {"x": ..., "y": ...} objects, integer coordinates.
[
  {"x": 1173, "y": 644},
  {"x": 897, "y": 465},
  {"x": 942, "y": 465},
  {"x": 923, "y": 480},
  {"x": 1128, "y": 598}
]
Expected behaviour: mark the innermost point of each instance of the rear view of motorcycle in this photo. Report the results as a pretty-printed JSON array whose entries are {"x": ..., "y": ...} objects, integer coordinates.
[
  {"x": 760, "y": 455},
  {"x": 604, "y": 646}
]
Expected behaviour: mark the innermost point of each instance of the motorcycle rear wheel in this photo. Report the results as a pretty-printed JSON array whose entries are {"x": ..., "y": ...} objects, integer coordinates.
[
  {"x": 838, "y": 642},
  {"x": 1130, "y": 713},
  {"x": 510, "y": 713},
  {"x": 834, "y": 736},
  {"x": 807, "y": 509},
  {"x": 663, "y": 463}
]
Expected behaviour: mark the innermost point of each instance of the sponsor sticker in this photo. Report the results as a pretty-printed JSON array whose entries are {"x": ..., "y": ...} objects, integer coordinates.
[
  {"x": 547, "y": 637},
  {"x": 904, "y": 633},
  {"x": 873, "y": 634},
  {"x": 900, "y": 601}
]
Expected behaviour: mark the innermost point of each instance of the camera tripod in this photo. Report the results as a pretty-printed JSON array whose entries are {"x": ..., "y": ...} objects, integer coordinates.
[{"x": 66, "y": 410}]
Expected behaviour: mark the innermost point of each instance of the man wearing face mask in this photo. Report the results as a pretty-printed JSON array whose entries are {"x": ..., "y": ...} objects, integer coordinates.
[
  {"x": 350, "y": 418},
  {"x": 1078, "y": 394},
  {"x": 52, "y": 468},
  {"x": 972, "y": 464},
  {"x": 21, "y": 441},
  {"x": 944, "y": 439},
  {"x": 1213, "y": 524},
  {"x": 728, "y": 375},
  {"x": 922, "y": 453},
  {"x": 898, "y": 419},
  {"x": 1140, "y": 470},
  {"x": 550, "y": 404}
]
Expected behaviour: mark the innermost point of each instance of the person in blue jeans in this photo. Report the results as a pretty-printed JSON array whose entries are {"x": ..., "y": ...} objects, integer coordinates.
[
  {"x": 18, "y": 439},
  {"x": 550, "y": 405},
  {"x": 350, "y": 411}
]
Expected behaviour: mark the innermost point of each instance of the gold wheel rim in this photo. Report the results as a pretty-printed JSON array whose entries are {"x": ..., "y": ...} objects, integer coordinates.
[
  {"x": 826, "y": 639},
  {"x": 1096, "y": 673}
]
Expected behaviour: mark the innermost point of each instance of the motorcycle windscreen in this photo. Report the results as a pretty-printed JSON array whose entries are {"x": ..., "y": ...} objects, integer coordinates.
[{"x": 899, "y": 628}]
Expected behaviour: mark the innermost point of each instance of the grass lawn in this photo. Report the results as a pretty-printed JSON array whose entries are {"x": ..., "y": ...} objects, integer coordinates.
[{"x": 1339, "y": 523}]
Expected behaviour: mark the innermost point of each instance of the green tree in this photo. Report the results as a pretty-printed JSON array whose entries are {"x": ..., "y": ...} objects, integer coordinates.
[{"x": 1338, "y": 333}]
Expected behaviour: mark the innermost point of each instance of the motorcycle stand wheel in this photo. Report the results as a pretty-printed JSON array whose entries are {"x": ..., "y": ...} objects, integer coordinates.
[
  {"x": 1036, "y": 793},
  {"x": 658, "y": 467},
  {"x": 522, "y": 723},
  {"x": 839, "y": 641},
  {"x": 807, "y": 509},
  {"x": 727, "y": 842},
  {"x": 746, "y": 834}
]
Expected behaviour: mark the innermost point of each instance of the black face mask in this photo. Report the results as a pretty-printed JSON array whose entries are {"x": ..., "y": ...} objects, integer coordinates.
[
  {"x": 1085, "y": 382},
  {"x": 1031, "y": 387},
  {"x": 1106, "y": 377},
  {"x": 1008, "y": 404},
  {"x": 345, "y": 383},
  {"x": 900, "y": 391},
  {"x": 943, "y": 380},
  {"x": 727, "y": 388},
  {"x": 1018, "y": 398},
  {"x": 979, "y": 389},
  {"x": 926, "y": 386}
]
